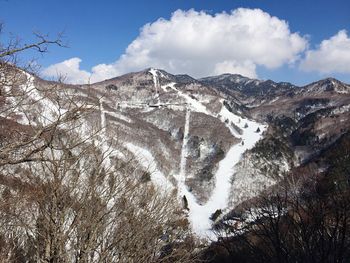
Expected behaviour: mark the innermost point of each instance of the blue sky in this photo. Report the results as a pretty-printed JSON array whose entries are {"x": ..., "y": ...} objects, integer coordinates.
[{"x": 99, "y": 32}]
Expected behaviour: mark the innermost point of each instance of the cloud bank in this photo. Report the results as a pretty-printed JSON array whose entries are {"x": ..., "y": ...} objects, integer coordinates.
[
  {"x": 200, "y": 44},
  {"x": 69, "y": 70},
  {"x": 331, "y": 56}
]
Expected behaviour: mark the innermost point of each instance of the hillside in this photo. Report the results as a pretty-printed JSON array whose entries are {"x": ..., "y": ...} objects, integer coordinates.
[{"x": 218, "y": 141}]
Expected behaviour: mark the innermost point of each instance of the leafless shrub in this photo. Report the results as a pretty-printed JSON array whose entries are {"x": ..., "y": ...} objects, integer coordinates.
[{"x": 64, "y": 195}]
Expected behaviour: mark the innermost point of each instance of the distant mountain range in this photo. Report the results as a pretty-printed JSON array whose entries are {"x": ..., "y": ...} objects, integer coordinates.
[{"x": 218, "y": 140}]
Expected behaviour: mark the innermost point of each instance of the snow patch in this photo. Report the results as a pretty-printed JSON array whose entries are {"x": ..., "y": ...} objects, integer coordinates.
[
  {"x": 147, "y": 161},
  {"x": 49, "y": 110}
]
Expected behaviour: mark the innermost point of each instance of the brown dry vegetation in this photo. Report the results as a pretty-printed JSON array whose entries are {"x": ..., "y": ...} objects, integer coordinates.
[{"x": 64, "y": 197}]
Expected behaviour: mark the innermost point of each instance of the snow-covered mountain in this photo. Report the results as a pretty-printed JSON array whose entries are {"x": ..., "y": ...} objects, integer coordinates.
[{"x": 218, "y": 140}]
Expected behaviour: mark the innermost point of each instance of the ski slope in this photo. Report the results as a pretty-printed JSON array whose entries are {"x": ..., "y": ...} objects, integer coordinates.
[
  {"x": 199, "y": 214},
  {"x": 154, "y": 73},
  {"x": 182, "y": 175},
  {"x": 147, "y": 161}
]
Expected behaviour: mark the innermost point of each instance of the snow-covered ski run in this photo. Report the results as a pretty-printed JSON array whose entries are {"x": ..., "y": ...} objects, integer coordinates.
[
  {"x": 199, "y": 214},
  {"x": 182, "y": 174}
]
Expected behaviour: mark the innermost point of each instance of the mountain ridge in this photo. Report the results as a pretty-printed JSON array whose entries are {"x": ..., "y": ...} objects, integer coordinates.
[
  {"x": 198, "y": 135},
  {"x": 205, "y": 79}
]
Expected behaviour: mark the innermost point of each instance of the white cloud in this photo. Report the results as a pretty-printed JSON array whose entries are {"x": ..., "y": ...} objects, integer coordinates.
[
  {"x": 247, "y": 68},
  {"x": 69, "y": 70},
  {"x": 331, "y": 56},
  {"x": 201, "y": 44}
]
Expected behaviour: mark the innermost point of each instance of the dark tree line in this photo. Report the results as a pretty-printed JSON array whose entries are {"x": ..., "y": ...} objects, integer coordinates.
[{"x": 297, "y": 223}]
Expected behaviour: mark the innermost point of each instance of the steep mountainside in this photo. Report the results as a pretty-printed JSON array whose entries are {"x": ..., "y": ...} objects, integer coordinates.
[
  {"x": 219, "y": 140},
  {"x": 305, "y": 123}
]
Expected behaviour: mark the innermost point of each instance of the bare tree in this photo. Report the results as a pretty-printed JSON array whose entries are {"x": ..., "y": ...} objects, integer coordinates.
[
  {"x": 64, "y": 197},
  {"x": 287, "y": 227},
  {"x": 17, "y": 95},
  {"x": 72, "y": 208}
]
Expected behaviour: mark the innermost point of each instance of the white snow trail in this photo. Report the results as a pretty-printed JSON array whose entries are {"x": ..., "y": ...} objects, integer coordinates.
[
  {"x": 154, "y": 73},
  {"x": 147, "y": 161},
  {"x": 199, "y": 215},
  {"x": 192, "y": 103},
  {"x": 103, "y": 117},
  {"x": 182, "y": 175}
]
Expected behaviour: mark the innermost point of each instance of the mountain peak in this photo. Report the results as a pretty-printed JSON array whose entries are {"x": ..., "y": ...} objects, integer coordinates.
[
  {"x": 227, "y": 77},
  {"x": 328, "y": 84}
]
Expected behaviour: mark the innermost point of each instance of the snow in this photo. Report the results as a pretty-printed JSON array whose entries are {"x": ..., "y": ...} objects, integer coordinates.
[
  {"x": 341, "y": 109},
  {"x": 193, "y": 104},
  {"x": 225, "y": 114},
  {"x": 49, "y": 110},
  {"x": 182, "y": 176},
  {"x": 342, "y": 91},
  {"x": 199, "y": 214},
  {"x": 14, "y": 107},
  {"x": 131, "y": 105},
  {"x": 147, "y": 161},
  {"x": 106, "y": 149},
  {"x": 120, "y": 116},
  {"x": 274, "y": 100},
  {"x": 248, "y": 181},
  {"x": 154, "y": 73},
  {"x": 102, "y": 116}
]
